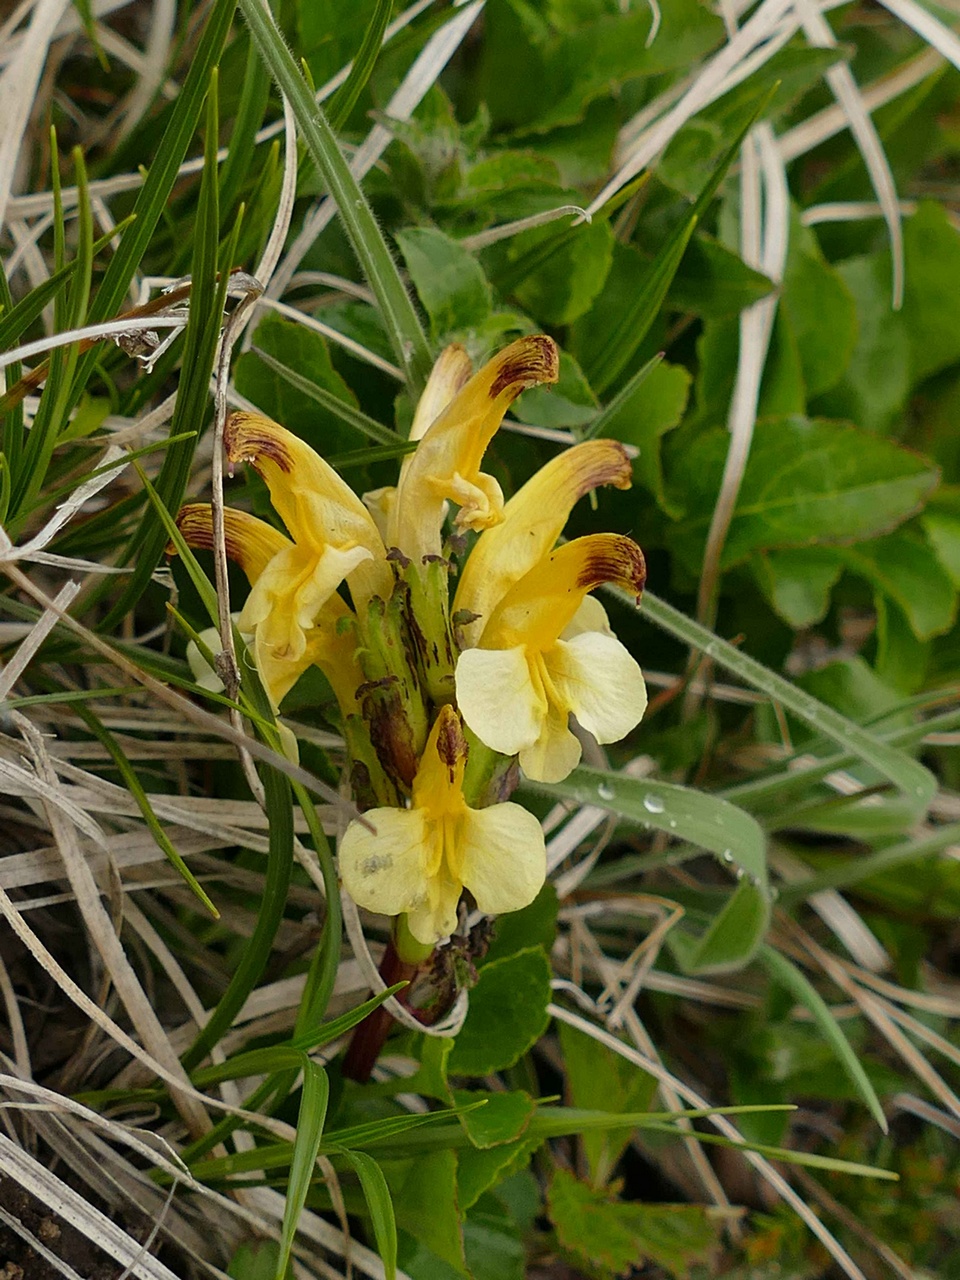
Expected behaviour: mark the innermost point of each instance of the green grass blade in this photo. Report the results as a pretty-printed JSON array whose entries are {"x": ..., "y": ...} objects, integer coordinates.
[
  {"x": 784, "y": 972},
  {"x": 256, "y": 954},
  {"x": 377, "y": 1195},
  {"x": 135, "y": 787},
  {"x": 360, "y": 422},
  {"x": 634, "y": 323},
  {"x": 609, "y": 413},
  {"x": 254, "y": 96},
  {"x": 909, "y": 777},
  {"x": 396, "y": 310},
  {"x": 11, "y": 418},
  {"x": 322, "y": 975},
  {"x": 199, "y": 352},
  {"x": 313, "y": 1113},
  {"x": 345, "y": 99}
]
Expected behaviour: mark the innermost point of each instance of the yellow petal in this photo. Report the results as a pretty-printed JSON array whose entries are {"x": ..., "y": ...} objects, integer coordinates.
[
  {"x": 384, "y": 870},
  {"x": 447, "y": 463},
  {"x": 600, "y": 682},
  {"x": 318, "y": 508},
  {"x": 503, "y": 859},
  {"x": 533, "y": 520},
  {"x": 327, "y": 645},
  {"x": 451, "y": 371},
  {"x": 556, "y": 752},
  {"x": 498, "y": 698},
  {"x": 251, "y": 543},
  {"x": 538, "y": 608},
  {"x": 438, "y": 786},
  {"x": 203, "y": 674}
]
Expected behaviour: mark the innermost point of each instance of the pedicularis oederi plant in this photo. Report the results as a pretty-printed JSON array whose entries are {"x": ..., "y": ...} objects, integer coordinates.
[{"x": 469, "y": 639}]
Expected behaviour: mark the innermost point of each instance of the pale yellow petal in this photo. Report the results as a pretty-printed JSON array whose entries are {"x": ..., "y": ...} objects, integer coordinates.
[
  {"x": 384, "y": 870},
  {"x": 533, "y": 520},
  {"x": 498, "y": 698},
  {"x": 316, "y": 505},
  {"x": 591, "y": 616},
  {"x": 447, "y": 461},
  {"x": 556, "y": 752},
  {"x": 451, "y": 371},
  {"x": 379, "y": 503},
  {"x": 503, "y": 859},
  {"x": 436, "y": 918},
  {"x": 250, "y": 542},
  {"x": 600, "y": 682}
]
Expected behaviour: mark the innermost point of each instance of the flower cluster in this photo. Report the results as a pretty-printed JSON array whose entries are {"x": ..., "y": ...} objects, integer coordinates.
[{"x": 438, "y": 698}]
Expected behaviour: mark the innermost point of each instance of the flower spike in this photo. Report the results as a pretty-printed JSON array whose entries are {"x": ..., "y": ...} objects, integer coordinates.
[{"x": 446, "y": 465}]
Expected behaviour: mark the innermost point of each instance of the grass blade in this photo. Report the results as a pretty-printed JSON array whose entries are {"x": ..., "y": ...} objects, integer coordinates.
[
  {"x": 313, "y": 1113},
  {"x": 377, "y": 1195},
  {"x": 345, "y": 99},
  {"x": 396, "y": 309}
]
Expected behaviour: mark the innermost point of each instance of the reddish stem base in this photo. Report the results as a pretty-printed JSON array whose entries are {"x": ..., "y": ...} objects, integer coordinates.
[{"x": 370, "y": 1035}]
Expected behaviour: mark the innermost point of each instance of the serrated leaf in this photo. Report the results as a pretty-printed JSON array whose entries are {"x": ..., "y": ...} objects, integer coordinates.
[
  {"x": 508, "y": 1014},
  {"x": 449, "y": 280}
]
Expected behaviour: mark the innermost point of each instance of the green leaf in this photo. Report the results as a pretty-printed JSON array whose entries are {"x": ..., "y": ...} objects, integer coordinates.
[
  {"x": 345, "y": 98},
  {"x": 616, "y": 1237},
  {"x": 904, "y": 567},
  {"x": 712, "y": 281},
  {"x": 875, "y": 386},
  {"x": 290, "y": 377},
  {"x": 425, "y": 1202},
  {"x": 306, "y": 1145},
  {"x": 798, "y": 581},
  {"x": 566, "y": 285},
  {"x": 931, "y": 284},
  {"x": 535, "y": 924},
  {"x": 508, "y": 1014},
  {"x": 480, "y": 1170},
  {"x": 649, "y": 405},
  {"x": 943, "y": 532},
  {"x": 502, "y": 1119},
  {"x": 806, "y": 481},
  {"x": 380, "y": 1207},
  {"x": 821, "y": 311},
  {"x": 448, "y": 279},
  {"x": 598, "y": 1078},
  {"x": 396, "y": 309}
]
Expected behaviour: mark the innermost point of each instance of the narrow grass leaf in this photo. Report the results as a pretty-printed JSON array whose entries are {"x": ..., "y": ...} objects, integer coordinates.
[
  {"x": 310, "y": 1121},
  {"x": 345, "y": 99},
  {"x": 366, "y": 426},
  {"x": 397, "y": 311},
  {"x": 906, "y": 774},
  {"x": 784, "y": 972},
  {"x": 377, "y": 1195}
]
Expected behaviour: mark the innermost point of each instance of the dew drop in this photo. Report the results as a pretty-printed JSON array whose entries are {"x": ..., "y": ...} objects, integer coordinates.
[
  {"x": 673, "y": 823},
  {"x": 739, "y": 873},
  {"x": 653, "y": 804},
  {"x": 605, "y": 791},
  {"x": 727, "y": 855}
]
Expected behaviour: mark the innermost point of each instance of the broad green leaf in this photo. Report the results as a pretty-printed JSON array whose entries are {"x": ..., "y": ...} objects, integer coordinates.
[
  {"x": 598, "y": 1078},
  {"x": 480, "y": 1170},
  {"x": 615, "y": 1237},
  {"x": 295, "y": 383},
  {"x": 306, "y": 1145},
  {"x": 904, "y": 567},
  {"x": 798, "y": 581},
  {"x": 876, "y": 382},
  {"x": 501, "y": 1120},
  {"x": 533, "y": 925},
  {"x": 426, "y": 1205},
  {"x": 932, "y": 280},
  {"x": 806, "y": 481},
  {"x": 493, "y": 1243},
  {"x": 821, "y": 312},
  {"x": 943, "y": 532},
  {"x": 508, "y": 1014},
  {"x": 569, "y": 281},
  {"x": 650, "y": 405},
  {"x": 449, "y": 280},
  {"x": 733, "y": 936},
  {"x": 255, "y": 1261},
  {"x": 712, "y": 281}
]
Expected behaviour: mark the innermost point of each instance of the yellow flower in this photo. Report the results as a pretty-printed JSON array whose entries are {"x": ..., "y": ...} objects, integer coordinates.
[
  {"x": 321, "y": 640},
  {"x": 417, "y": 861},
  {"x": 458, "y": 420},
  {"x": 546, "y": 651}
]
